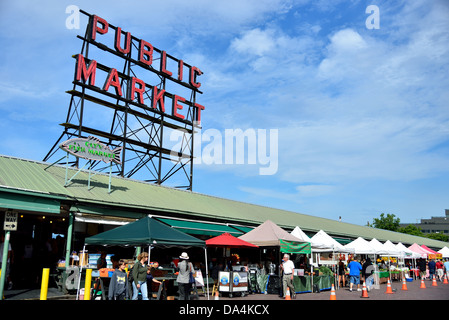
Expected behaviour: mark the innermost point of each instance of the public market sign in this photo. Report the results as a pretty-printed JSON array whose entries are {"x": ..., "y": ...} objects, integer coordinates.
[
  {"x": 91, "y": 149},
  {"x": 129, "y": 88}
]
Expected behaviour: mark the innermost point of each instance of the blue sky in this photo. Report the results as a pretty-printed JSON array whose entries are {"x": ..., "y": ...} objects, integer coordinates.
[{"x": 362, "y": 114}]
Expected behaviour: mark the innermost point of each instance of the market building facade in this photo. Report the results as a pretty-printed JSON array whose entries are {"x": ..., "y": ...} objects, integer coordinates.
[{"x": 56, "y": 218}]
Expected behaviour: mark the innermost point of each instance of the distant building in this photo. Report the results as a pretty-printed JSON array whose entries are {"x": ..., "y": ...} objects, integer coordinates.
[{"x": 432, "y": 225}]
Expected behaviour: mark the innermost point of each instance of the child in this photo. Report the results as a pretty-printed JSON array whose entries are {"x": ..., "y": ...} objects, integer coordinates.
[{"x": 119, "y": 286}]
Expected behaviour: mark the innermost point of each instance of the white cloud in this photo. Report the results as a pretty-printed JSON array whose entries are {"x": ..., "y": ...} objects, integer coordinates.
[{"x": 255, "y": 42}]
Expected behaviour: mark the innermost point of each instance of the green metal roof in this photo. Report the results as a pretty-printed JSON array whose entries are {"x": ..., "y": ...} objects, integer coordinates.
[{"x": 38, "y": 179}]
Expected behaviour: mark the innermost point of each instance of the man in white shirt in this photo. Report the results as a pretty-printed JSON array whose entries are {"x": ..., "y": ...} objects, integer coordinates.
[{"x": 287, "y": 279}]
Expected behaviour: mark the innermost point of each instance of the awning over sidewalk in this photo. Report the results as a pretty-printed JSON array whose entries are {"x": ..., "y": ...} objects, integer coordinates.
[{"x": 25, "y": 202}]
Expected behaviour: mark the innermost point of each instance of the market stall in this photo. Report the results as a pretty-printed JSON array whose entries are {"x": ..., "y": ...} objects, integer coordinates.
[
  {"x": 330, "y": 253},
  {"x": 236, "y": 279},
  {"x": 406, "y": 253},
  {"x": 432, "y": 253},
  {"x": 268, "y": 234},
  {"x": 147, "y": 232}
]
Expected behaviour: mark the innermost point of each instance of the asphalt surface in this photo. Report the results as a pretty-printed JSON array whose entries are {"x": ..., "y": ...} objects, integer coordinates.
[{"x": 414, "y": 292}]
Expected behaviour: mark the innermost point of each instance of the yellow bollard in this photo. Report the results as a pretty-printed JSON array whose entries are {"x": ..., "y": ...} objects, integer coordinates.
[
  {"x": 44, "y": 284},
  {"x": 88, "y": 283}
]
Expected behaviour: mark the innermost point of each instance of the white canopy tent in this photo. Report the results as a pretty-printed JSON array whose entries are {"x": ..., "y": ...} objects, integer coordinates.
[
  {"x": 392, "y": 250},
  {"x": 378, "y": 246},
  {"x": 406, "y": 252},
  {"x": 444, "y": 251},
  {"x": 331, "y": 244},
  {"x": 298, "y": 233},
  {"x": 361, "y": 246}
]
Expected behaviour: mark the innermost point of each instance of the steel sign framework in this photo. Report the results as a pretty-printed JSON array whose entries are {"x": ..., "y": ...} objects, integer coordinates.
[{"x": 129, "y": 107}]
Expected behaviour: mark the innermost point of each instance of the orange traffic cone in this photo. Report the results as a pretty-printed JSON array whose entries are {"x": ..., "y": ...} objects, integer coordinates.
[
  {"x": 217, "y": 295},
  {"x": 423, "y": 285},
  {"x": 445, "y": 279},
  {"x": 287, "y": 294},
  {"x": 389, "y": 287},
  {"x": 404, "y": 285},
  {"x": 364, "y": 291},
  {"x": 333, "y": 296},
  {"x": 434, "y": 281}
]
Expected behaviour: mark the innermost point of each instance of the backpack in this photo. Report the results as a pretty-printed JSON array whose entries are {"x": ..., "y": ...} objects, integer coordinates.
[{"x": 130, "y": 275}]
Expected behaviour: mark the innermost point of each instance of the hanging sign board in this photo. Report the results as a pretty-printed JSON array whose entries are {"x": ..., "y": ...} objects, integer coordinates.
[
  {"x": 91, "y": 149},
  {"x": 11, "y": 220}
]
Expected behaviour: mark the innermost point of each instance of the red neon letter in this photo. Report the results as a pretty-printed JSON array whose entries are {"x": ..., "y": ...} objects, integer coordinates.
[
  {"x": 95, "y": 28},
  {"x": 144, "y": 52},
  {"x": 180, "y": 69},
  {"x": 118, "y": 36},
  {"x": 139, "y": 91},
  {"x": 84, "y": 73},
  {"x": 158, "y": 97},
  {"x": 113, "y": 80},
  {"x": 164, "y": 64},
  {"x": 193, "y": 72},
  {"x": 177, "y": 106},
  {"x": 198, "y": 112}
]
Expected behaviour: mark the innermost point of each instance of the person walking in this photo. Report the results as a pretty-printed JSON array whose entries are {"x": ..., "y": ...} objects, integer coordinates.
[
  {"x": 119, "y": 285},
  {"x": 446, "y": 267},
  {"x": 139, "y": 274},
  {"x": 422, "y": 268},
  {"x": 341, "y": 273},
  {"x": 368, "y": 273},
  {"x": 185, "y": 269},
  {"x": 354, "y": 274},
  {"x": 287, "y": 279},
  {"x": 439, "y": 269},
  {"x": 432, "y": 268}
]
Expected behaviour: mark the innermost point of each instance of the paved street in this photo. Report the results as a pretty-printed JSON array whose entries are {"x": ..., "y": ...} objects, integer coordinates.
[
  {"x": 440, "y": 292},
  {"x": 414, "y": 292}
]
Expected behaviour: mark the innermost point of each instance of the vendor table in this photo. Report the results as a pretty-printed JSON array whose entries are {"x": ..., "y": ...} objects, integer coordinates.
[
  {"x": 302, "y": 284},
  {"x": 385, "y": 275}
]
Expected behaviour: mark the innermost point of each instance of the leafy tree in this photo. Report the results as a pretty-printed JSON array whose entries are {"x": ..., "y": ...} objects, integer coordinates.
[
  {"x": 388, "y": 222},
  {"x": 438, "y": 236},
  {"x": 411, "y": 229}
]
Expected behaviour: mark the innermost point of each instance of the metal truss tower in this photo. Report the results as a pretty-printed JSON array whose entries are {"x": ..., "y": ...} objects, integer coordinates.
[{"x": 141, "y": 128}]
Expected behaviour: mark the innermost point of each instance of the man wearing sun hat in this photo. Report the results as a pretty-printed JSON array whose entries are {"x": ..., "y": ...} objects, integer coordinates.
[{"x": 185, "y": 268}]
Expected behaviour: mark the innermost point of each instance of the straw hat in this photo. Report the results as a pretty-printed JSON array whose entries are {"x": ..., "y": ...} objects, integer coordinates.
[{"x": 184, "y": 255}]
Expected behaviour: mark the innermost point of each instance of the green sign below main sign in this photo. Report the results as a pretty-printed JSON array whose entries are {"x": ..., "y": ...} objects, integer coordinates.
[{"x": 91, "y": 149}]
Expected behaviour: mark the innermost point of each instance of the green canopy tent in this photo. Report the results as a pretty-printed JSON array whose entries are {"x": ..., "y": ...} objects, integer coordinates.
[{"x": 147, "y": 231}]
